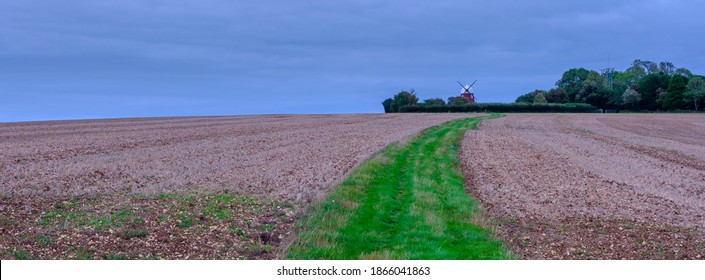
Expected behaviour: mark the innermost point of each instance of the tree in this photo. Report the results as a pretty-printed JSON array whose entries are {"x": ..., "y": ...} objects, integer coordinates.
[
  {"x": 650, "y": 88},
  {"x": 634, "y": 73},
  {"x": 531, "y": 97},
  {"x": 631, "y": 98},
  {"x": 556, "y": 95},
  {"x": 572, "y": 81},
  {"x": 695, "y": 91},
  {"x": 600, "y": 98},
  {"x": 387, "y": 104},
  {"x": 539, "y": 97},
  {"x": 404, "y": 98},
  {"x": 675, "y": 98},
  {"x": 647, "y": 66},
  {"x": 434, "y": 101},
  {"x": 666, "y": 68},
  {"x": 685, "y": 72},
  {"x": 392, "y": 105},
  {"x": 593, "y": 90},
  {"x": 525, "y": 98},
  {"x": 457, "y": 100},
  {"x": 645, "y": 85}
]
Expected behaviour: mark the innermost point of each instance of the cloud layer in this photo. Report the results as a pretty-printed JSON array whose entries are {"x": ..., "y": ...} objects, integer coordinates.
[{"x": 86, "y": 59}]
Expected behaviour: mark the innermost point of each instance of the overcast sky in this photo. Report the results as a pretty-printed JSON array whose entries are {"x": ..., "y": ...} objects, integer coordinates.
[{"x": 101, "y": 59}]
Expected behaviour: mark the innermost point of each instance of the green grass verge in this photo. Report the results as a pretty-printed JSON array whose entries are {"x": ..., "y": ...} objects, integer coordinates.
[{"x": 406, "y": 202}]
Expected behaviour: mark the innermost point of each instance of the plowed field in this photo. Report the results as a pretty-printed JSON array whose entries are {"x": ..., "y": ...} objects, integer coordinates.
[
  {"x": 177, "y": 188},
  {"x": 284, "y": 156},
  {"x": 591, "y": 185}
]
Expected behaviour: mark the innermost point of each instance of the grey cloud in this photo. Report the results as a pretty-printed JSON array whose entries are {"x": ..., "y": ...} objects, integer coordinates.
[{"x": 321, "y": 56}]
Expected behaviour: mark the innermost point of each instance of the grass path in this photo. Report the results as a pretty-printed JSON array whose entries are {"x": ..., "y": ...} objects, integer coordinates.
[{"x": 407, "y": 202}]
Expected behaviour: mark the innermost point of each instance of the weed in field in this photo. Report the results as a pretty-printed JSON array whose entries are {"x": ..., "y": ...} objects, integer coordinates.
[
  {"x": 62, "y": 217},
  {"x": 234, "y": 229},
  {"x": 18, "y": 254},
  {"x": 218, "y": 207},
  {"x": 43, "y": 240},
  {"x": 266, "y": 227},
  {"x": 628, "y": 225},
  {"x": 581, "y": 252},
  {"x": 184, "y": 221},
  {"x": 113, "y": 220},
  {"x": 112, "y": 257},
  {"x": 134, "y": 233},
  {"x": 83, "y": 254},
  {"x": 161, "y": 219},
  {"x": 121, "y": 217},
  {"x": 138, "y": 217}
]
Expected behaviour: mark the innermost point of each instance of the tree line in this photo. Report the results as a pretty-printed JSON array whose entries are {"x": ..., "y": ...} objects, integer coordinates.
[
  {"x": 645, "y": 85},
  {"x": 501, "y": 108},
  {"x": 409, "y": 98},
  {"x": 406, "y": 101}
]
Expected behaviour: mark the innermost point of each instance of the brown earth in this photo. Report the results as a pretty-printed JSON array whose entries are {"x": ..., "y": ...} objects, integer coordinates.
[
  {"x": 586, "y": 186},
  {"x": 177, "y": 188},
  {"x": 274, "y": 156}
]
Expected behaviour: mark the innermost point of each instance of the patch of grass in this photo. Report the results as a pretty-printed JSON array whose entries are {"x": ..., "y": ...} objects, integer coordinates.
[
  {"x": 112, "y": 257},
  {"x": 161, "y": 219},
  {"x": 627, "y": 225},
  {"x": 83, "y": 254},
  {"x": 135, "y": 233},
  {"x": 407, "y": 202},
  {"x": 218, "y": 207},
  {"x": 234, "y": 229},
  {"x": 62, "y": 217},
  {"x": 184, "y": 221},
  {"x": 266, "y": 227},
  {"x": 120, "y": 217},
  {"x": 133, "y": 217},
  {"x": 135, "y": 229},
  {"x": 115, "y": 218},
  {"x": 18, "y": 254},
  {"x": 43, "y": 240}
]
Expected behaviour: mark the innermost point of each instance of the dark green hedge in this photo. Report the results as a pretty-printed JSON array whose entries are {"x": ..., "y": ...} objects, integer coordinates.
[{"x": 502, "y": 108}]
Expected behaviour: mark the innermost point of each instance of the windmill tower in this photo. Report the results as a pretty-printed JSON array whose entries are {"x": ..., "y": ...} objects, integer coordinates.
[{"x": 467, "y": 92}]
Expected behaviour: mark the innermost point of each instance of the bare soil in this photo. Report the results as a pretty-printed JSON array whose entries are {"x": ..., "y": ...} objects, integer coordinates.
[
  {"x": 585, "y": 186},
  {"x": 274, "y": 156},
  {"x": 177, "y": 188}
]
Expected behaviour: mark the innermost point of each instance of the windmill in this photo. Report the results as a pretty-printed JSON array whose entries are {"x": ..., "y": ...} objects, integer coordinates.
[{"x": 467, "y": 92}]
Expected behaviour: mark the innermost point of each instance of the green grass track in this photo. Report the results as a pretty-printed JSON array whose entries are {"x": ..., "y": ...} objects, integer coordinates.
[{"x": 406, "y": 202}]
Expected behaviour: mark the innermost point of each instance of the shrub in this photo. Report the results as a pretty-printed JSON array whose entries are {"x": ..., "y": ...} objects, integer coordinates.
[{"x": 502, "y": 108}]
